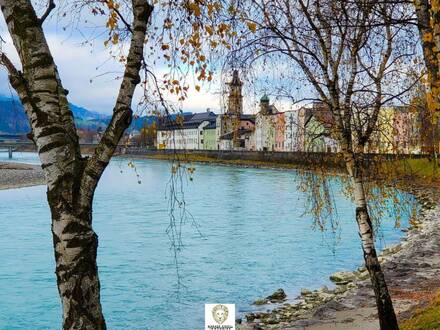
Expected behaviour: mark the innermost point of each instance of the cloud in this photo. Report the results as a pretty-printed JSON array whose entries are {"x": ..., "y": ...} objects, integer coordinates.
[{"x": 91, "y": 75}]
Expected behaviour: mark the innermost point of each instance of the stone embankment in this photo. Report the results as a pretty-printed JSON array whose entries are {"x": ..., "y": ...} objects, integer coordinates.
[
  {"x": 15, "y": 175},
  {"x": 412, "y": 271}
]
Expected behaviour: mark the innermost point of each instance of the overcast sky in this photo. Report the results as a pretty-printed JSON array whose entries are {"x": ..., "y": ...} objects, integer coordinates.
[{"x": 90, "y": 74}]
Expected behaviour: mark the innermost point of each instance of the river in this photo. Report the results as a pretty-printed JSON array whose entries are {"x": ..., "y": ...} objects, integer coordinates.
[{"x": 253, "y": 240}]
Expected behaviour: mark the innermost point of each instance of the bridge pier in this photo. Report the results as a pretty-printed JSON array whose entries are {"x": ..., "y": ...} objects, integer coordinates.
[{"x": 10, "y": 152}]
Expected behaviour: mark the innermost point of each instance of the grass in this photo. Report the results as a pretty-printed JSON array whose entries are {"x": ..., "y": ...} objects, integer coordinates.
[
  {"x": 188, "y": 157},
  {"x": 421, "y": 168},
  {"x": 424, "y": 319}
]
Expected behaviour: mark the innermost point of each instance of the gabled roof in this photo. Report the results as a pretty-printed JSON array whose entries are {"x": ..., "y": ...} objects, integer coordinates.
[
  {"x": 230, "y": 135},
  {"x": 186, "y": 121},
  {"x": 211, "y": 125},
  {"x": 248, "y": 117},
  {"x": 203, "y": 116}
]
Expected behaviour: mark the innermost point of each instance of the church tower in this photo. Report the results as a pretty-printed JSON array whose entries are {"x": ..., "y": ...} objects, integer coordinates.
[
  {"x": 235, "y": 98},
  {"x": 264, "y": 105}
]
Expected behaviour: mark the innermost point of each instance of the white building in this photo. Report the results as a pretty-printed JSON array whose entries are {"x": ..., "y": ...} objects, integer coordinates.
[
  {"x": 184, "y": 132},
  {"x": 293, "y": 131},
  {"x": 265, "y": 126}
]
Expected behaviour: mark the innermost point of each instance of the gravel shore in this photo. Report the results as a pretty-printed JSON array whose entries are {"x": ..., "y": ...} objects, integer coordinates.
[
  {"x": 16, "y": 175},
  {"x": 412, "y": 271}
]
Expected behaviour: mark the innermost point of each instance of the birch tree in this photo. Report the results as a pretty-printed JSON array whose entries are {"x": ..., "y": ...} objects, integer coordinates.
[
  {"x": 175, "y": 36},
  {"x": 345, "y": 50},
  {"x": 428, "y": 23},
  {"x": 71, "y": 178}
]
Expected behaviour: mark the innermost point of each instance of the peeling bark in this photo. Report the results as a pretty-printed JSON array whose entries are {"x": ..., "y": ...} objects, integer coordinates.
[
  {"x": 71, "y": 179},
  {"x": 428, "y": 19}
]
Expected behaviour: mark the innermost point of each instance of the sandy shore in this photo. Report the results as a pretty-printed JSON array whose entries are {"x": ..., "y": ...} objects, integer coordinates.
[
  {"x": 16, "y": 175},
  {"x": 412, "y": 271}
]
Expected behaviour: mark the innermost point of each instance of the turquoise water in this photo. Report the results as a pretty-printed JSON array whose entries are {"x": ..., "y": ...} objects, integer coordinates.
[{"x": 254, "y": 241}]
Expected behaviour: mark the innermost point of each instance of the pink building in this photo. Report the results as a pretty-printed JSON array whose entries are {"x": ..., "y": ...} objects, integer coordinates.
[
  {"x": 280, "y": 127},
  {"x": 406, "y": 135}
]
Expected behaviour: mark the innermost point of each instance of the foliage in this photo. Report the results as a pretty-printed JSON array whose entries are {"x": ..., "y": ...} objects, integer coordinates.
[{"x": 424, "y": 319}]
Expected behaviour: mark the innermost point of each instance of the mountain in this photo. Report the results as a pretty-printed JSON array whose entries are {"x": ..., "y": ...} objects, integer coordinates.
[
  {"x": 13, "y": 120},
  {"x": 83, "y": 113}
]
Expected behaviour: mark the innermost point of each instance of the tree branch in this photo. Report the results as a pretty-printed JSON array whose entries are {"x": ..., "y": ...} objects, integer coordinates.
[
  {"x": 51, "y": 6},
  {"x": 122, "y": 113}
]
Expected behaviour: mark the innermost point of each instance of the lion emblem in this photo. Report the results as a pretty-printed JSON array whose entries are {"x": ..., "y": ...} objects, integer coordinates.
[{"x": 220, "y": 313}]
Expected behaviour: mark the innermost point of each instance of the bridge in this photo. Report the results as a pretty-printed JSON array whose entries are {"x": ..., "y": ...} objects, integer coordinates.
[{"x": 11, "y": 142}]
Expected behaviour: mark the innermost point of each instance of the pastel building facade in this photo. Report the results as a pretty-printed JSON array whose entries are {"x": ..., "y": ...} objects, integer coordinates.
[
  {"x": 184, "y": 132},
  {"x": 293, "y": 131},
  {"x": 265, "y": 126}
]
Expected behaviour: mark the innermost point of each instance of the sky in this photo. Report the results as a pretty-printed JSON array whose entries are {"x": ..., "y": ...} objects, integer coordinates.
[{"x": 90, "y": 74}]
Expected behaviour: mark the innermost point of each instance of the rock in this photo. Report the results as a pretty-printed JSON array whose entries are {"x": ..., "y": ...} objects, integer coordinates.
[
  {"x": 271, "y": 320},
  {"x": 335, "y": 305},
  {"x": 324, "y": 297},
  {"x": 277, "y": 296},
  {"x": 324, "y": 289},
  {"x": 259, "y": 302},
  {"x": 361, "y": 269},
  {"x": 342, "y": 277},
  {"x": 329, "y": 308},
  {"x": 363, "y": 276},
  {"x": 305, "y": 292},
  {"x": 341, "y": 289},
  {"x": 396, "y": 248}
]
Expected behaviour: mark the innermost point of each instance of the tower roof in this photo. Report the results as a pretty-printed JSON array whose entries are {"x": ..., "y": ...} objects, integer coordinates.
[
  {"x": 235, "y": 79},
  {"x": 264, "y": 98}
]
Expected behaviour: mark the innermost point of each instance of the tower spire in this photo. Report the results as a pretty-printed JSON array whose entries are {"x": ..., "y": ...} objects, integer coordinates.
[{"x": 235, "y": 98}]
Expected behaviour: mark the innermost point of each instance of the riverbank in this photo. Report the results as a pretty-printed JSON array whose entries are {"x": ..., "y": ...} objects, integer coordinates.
[
  {"x": 412, "y": 271},
  {"x": 17, "y": 175},
  {"x": 351, "y": 304}
]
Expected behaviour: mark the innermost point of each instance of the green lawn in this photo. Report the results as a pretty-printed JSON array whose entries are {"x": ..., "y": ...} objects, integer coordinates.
[{"x": 419, "y": 169}]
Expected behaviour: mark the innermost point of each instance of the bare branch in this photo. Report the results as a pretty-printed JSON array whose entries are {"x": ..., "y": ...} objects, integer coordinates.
[
  {"x": 51, "y": 6},
  {"x": 122, "y": 113}
]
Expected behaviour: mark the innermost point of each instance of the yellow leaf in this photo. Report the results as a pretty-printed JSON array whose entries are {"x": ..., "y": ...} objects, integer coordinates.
[
  {"x": 195, "y": 8},
  {"x": 115, "y": 39},
  {"x": 252, "y": 26},
  {"x": 427, "y": 37},
  {"x": 198, "y": 88}
]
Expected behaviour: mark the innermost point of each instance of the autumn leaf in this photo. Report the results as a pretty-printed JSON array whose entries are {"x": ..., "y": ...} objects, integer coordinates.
[
  {"x": 252, "y": 26},
  {"x": 115, "y": 39},
  {"x": 195, "y": 8},
  {"x": 197, "y": 88}
]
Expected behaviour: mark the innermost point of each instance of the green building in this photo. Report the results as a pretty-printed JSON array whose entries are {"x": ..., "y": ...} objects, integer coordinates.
[{"x": 209, "y": 137}]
